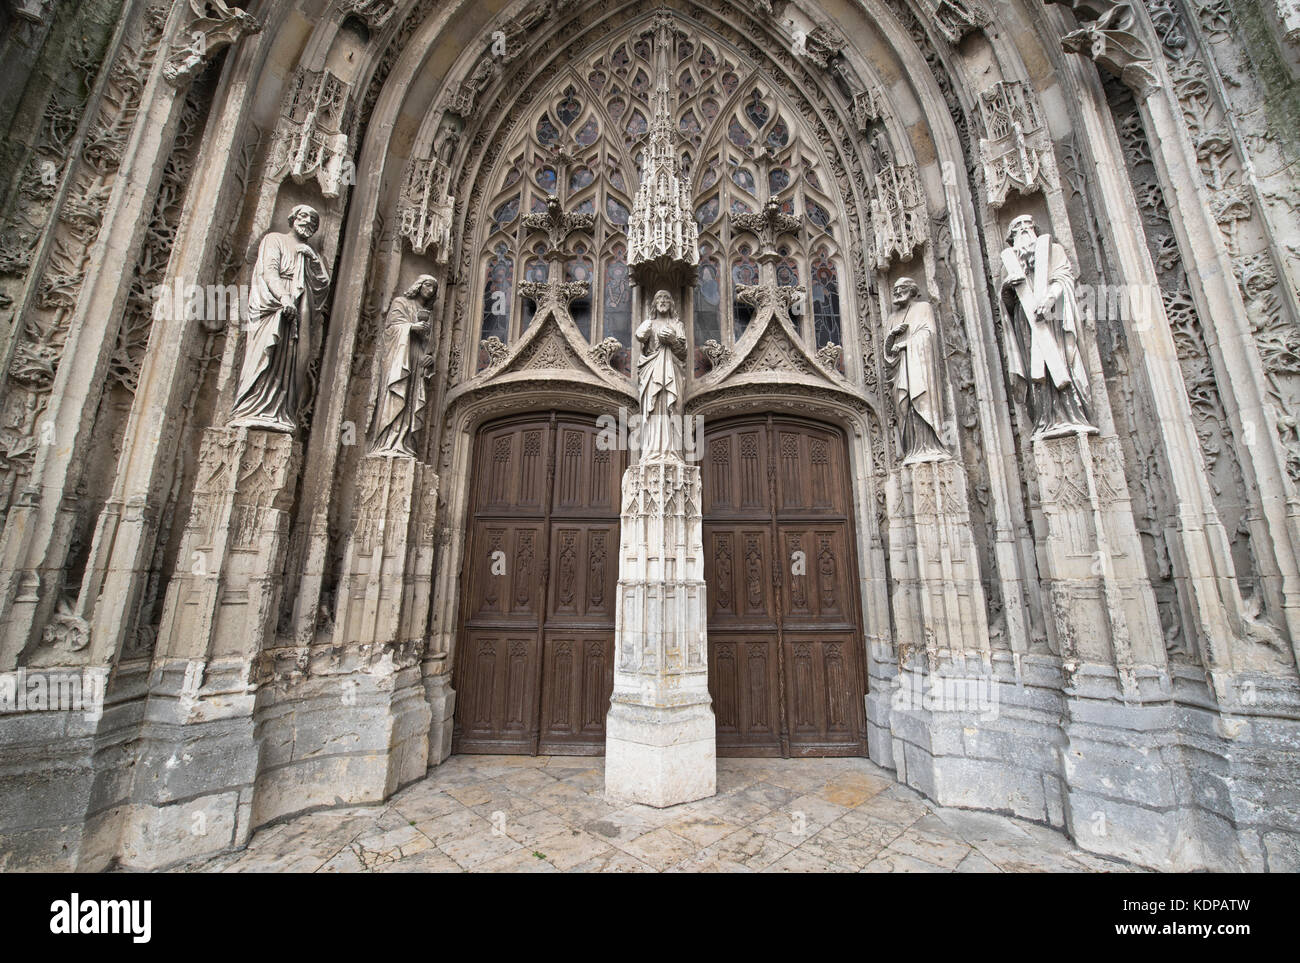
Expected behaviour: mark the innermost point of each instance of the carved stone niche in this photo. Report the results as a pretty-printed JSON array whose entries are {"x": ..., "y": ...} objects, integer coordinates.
[
  {"x": 1015, "y": 150},
  {"x": 313, "y": 136},
  {"x": 898, "y": 217},
  {"x": 957, "y": 18}
]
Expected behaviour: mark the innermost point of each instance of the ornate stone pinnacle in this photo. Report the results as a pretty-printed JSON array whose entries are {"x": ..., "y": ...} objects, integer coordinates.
[{"x": 662, "y": 233}]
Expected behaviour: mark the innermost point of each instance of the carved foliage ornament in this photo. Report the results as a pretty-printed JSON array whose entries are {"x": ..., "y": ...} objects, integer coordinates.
[
  {"x": 211, "y": 27},
  {"x": 1108, "y": 35}
]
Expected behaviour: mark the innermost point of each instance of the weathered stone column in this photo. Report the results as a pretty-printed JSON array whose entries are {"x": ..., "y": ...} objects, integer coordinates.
[
  {"x": 660, "y": 740},
  {"x": 198, "y": 764},
  {"x": 352, "y": 724}
]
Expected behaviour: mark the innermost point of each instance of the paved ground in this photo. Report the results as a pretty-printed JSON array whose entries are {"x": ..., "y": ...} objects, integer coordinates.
[{"x": 549, "y": 814}]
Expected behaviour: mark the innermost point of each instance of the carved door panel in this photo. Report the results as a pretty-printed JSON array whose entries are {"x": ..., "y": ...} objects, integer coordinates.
[
  {"x": 784, "y": 640},
  {"x": 534, "y": 664}
]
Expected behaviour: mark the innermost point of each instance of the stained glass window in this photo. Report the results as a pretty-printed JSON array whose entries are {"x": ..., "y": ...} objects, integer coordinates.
[
  {"x": 744, "y": 145},
  {"x": 497, "y": 289},
  {"x": 617, "y": 304},
  {"x": 825, "y": 301},
  {"x": 708, "y": 307},
  {"x": 579, "y": 268}
]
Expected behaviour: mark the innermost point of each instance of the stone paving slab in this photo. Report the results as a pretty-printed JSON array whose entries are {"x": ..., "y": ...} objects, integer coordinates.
[{"x": 513, "y": 814}]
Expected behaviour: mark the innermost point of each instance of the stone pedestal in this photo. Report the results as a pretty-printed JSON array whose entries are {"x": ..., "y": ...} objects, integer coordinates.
[
  {"x": 354, "y": 726},
  {"x": 660, "y": 745},
  {"x": 200, "y": 758},
  {"x": 1103, "y": 610},
  {"x": 939, "y": 594},
  {"x": 385, "y": 582}
]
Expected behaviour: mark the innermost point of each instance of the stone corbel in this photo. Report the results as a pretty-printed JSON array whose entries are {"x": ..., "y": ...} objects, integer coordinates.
[
  {"x": 1288, "y": 15},
  {"x": 33, "y": 11},
  {"x": 1108, "y": 36},
  {"x": 210, "y": 27},
  {"x": 821, "y": 45}
]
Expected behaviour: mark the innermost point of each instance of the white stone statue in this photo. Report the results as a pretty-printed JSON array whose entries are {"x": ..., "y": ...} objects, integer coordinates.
[
  {"x": 660, "y": 372},
  {"x": 403, "y": 367},
  {"x": 1044, "y": 356},
  {"x": 288, "y": 286},
  {"x": 912, "y": 357}
]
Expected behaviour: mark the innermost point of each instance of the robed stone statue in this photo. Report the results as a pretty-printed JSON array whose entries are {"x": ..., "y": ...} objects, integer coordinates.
[
  {"x": 660, "y": 373},
  {"x": 1044, "y": 355},
  {"x": 912, "y": 358},
  {"x": 288, "y": 287},
  {"x": 403, "y": 366}
]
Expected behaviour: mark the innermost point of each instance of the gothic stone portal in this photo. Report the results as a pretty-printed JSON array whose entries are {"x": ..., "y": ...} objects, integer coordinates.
[{"x": 534, "y": 667}]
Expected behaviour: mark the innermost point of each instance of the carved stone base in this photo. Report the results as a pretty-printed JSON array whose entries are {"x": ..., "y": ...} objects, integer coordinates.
[
  {"x": 660, "y": 730},
  {"x": 354, "y": 737},
  {"x": 939, "y": 598},
  {"x": 1102, "y": 606},
  {"x": 660, "y": 755},
  {"x": 386, "y": 575},
  {"x": 441, "y": 698},
  {"x": 224, "y": 596}
]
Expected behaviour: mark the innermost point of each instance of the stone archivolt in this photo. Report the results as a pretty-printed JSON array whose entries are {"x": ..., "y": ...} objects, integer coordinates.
[{"x": 375, "y": 549}]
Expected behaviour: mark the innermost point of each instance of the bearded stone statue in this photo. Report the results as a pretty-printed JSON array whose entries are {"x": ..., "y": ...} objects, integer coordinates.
[
  {"x": 1044, "y": 356},
  {"x": 288, "y": 287}
]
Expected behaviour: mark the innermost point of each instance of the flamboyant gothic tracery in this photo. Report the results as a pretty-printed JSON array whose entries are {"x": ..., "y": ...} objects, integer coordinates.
[
  {"x": 690, "y": 380},
  {"x": 742, "y": 148}
]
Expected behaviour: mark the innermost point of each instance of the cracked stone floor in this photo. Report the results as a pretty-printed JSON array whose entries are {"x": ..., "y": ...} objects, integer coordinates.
[{"x": 548, "y": 814}]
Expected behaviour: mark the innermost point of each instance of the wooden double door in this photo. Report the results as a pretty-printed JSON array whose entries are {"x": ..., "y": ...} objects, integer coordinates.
[
  {"x": 785, "y": 667},
  {"x": 535, "y": 658}
]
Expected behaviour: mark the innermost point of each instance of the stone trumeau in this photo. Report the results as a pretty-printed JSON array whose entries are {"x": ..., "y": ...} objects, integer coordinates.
[{"x": 914, "y": 382}]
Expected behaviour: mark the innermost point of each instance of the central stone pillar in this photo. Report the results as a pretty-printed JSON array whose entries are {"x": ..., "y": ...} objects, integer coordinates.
[{"x": 660, "y": 746}]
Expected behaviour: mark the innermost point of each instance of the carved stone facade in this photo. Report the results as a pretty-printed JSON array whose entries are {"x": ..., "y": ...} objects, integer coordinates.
[{"x": 774, "y": 231}]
